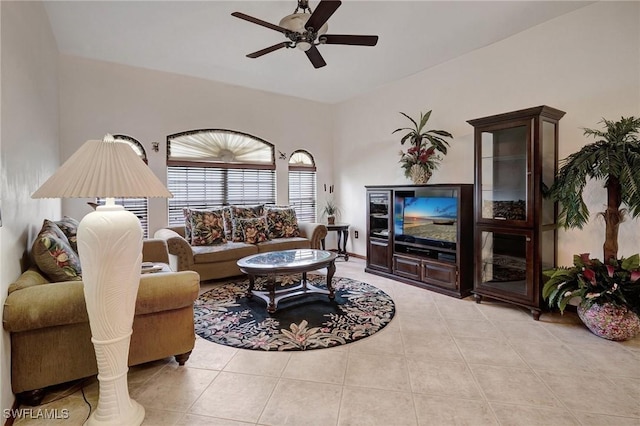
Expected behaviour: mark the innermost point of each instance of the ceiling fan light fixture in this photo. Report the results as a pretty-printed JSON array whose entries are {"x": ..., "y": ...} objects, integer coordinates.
[
  {"x": 296, "y": 22},
  {"x": 303, "y": 45}
]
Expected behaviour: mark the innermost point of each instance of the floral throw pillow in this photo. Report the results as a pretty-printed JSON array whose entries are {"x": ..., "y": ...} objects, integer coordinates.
[
  {"x": 69, "y": 226},
  {"x": 54, "y": 256},
  {"x": 282, "y": 222},
  {"x": 228, "y": 224},
  {"x": 186, "y": 212},
  {"x": 243, "y": 212},
  {"x": 207, "y": 227},
  {"x": 254, "y": 230}
]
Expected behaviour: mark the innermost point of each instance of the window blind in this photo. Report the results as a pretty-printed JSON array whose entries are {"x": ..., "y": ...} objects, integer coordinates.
[
  {"x": 210, "y": 187},
  {"x": 137, "y": 206},
  {"x": 302, "y": 194}
]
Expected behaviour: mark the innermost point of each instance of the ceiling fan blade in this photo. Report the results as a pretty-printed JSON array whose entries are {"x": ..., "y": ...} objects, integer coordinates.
[
  {"x": 323, "y": 12},
  {"x": 315, "y": 57},
  {"x": 260, "y": 22},
  {"x": 268, "y": 50},
  {"x": 356, "y": 40}
]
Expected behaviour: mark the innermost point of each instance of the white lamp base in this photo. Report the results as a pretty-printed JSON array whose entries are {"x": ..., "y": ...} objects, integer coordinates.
[{"x": 110, "y": 250}]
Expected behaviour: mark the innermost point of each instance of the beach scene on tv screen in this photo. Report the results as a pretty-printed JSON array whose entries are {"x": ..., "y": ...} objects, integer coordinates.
[{"x": 431, "y": 217}]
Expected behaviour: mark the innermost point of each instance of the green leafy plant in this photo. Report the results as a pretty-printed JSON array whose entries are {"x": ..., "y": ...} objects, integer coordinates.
[
  {"x": 425, "y": 145},
  {"x": 330, "y": 208},
  {"x": 613, "y": 158},
  {"x": 595, "y": 282}
]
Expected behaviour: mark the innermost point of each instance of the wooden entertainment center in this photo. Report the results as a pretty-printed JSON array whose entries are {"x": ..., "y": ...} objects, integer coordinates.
[{"x": 422, "y": 235}]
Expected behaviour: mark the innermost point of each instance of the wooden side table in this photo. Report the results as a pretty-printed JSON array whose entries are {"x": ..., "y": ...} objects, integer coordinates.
[{"x": 343, "y": 235}]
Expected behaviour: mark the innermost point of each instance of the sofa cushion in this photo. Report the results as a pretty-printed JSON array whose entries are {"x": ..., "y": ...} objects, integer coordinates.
[
  {"x": 282, "y": 222},
  {"x": 207, "y": 227},
  {"x": 222, "y": 252},
  {"x": 284, "y": 244},
  {"x": 243, "y": 212},
  {"x": 254, "y": 230},
  {"x": 69, "y": 226},
  {"x": 54, "y": 256}
]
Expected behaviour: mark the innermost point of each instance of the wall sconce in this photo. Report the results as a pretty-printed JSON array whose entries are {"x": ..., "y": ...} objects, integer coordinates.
[{"x": 155, "y": 146}]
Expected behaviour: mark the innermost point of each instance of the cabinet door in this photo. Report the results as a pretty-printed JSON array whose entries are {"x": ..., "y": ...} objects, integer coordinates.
[
  {"x": 504, "y": 164},
  {"x": 440, "y": 274},
  {"x": 406, "y": 267},
  {"x": 379, "y": 255},
  {"x": 504, "y": 264}
]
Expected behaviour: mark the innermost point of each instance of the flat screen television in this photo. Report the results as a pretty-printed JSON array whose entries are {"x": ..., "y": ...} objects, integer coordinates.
[{"x": 423, "y": 219}]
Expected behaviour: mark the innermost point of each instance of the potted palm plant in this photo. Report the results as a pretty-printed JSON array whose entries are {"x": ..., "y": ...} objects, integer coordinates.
[
  {"x": 421, "y": 159},
  {"x": 330, "y": 210},
  {"x": 612, "y": 286}
]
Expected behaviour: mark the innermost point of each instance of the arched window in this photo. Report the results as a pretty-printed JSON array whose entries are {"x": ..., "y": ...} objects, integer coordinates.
[
  {"x": 302, "y": 185},
  {"x": 215, "y": 167},
  {"x": 137, "y": 206}
]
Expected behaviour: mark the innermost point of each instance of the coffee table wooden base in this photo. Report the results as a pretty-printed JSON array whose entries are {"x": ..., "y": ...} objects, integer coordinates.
[{"x": 273, "y": 296}]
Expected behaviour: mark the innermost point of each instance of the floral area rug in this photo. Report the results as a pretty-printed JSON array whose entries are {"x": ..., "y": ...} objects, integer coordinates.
[{"x": 224, "y": 315}]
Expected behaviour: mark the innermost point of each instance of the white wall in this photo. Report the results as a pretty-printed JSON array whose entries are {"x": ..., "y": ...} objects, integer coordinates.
[
  {"x": 586, "y": 63},
  {"x": 29, "y": 150},
  {"x": 98, "y": 97}
]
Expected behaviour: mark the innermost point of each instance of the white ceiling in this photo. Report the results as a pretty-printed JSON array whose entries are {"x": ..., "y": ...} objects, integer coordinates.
[{"x": 202, "y": 39}]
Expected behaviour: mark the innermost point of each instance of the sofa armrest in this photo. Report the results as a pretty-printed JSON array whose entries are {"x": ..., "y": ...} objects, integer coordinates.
[
  {"x": 315, "y": 232},
  {"x": 180, "y": 252},
  {"x": 155, "y": 250}
]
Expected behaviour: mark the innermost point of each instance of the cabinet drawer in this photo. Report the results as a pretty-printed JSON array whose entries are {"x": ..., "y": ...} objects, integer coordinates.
[
  {"x": 440, "y": 274},
  {"x": 405, "y": 267}
]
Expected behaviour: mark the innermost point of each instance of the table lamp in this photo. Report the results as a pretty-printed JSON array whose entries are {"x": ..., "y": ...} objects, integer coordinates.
[{"x": 110, "y": 251}]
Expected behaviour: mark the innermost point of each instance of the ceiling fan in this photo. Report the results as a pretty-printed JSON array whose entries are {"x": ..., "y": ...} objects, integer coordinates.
[{"x": 307, "y": 29}]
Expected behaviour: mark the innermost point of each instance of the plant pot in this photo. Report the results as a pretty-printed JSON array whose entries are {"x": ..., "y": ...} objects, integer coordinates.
[
  {"x": 331, "y": 220},
  {"x": 610, "y": 321},
  {"x": 419, "y": 175}
]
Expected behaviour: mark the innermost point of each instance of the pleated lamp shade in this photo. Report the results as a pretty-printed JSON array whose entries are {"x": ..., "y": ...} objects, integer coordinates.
[{"x": 105, "y": 169}]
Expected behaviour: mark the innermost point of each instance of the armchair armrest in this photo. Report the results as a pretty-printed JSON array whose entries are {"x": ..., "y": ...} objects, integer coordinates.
[
  {"x": 180, "y": 252},
  {"x": 314, "y": 232},
  {"x": 155, "y": 250}
]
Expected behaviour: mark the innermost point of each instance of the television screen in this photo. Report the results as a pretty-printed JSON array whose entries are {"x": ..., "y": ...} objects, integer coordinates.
[{"x": 425, "y": 220}]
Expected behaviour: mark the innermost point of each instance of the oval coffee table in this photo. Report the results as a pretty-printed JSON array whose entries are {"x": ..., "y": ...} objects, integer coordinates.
[{"x": 276, "y": 263}]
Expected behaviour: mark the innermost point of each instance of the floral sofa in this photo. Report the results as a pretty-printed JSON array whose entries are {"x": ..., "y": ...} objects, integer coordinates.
[
  {"x": 212, "y": 241},
  {"x": 46, "y": 317}
]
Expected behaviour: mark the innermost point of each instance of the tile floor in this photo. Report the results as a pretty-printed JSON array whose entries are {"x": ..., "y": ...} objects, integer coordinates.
[{"x": 441, "y": 361}]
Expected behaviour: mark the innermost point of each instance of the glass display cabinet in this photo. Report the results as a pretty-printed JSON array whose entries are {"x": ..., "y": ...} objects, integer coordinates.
[
  {"x": 378, "y": 226},
  {"x": 516, "y": 157}
]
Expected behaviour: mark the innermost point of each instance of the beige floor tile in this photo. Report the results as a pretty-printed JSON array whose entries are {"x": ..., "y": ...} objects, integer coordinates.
[
  {"x": 264, "y": 363},
  {"x": 386, "y": 341},
  {"x": 66, "y": 411},
  {"x": 209, "y": 355},
  {"x": 489, "y": 351},
  {"x": 550, "y": 355},
  {"x": 459, "y": 309},
  {"x": 473, "y": 328},
  {"x": 377, "y": 371},
  {"x": 195, "y": 420},
  {"x": 372, "y": 407},
  {"x": 431, "y": 346},
  {"x": 530, "y": 331},
  {"x": 518, "y": 415},
  {"x": 434, "y": 410},
  {"x": 571, "y": 388},
  {"x": 154, "y": 417},
  {"x": 513, "y": 385},
  {"x": 323, "y": 365},
  {"x": 412, "y": 322},
  {"x": 587, "y": 419},
  {"x": 235, "y": 396},
  {"x": 614, "y": 360},
  {"x": 295, "y": 402},
  {"x": 441, "y": 378},
  {"x": 175, "y": 388},
  {"x": 500, "y": 311}
]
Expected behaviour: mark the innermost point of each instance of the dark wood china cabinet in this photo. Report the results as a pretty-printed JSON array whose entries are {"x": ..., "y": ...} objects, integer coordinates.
[{"x": 516, "y": 156}]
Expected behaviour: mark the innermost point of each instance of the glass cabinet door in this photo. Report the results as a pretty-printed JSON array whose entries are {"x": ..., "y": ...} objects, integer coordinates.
[
  {"x": 502, "y": 257},
  {"x": 504, "y": 173}
]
